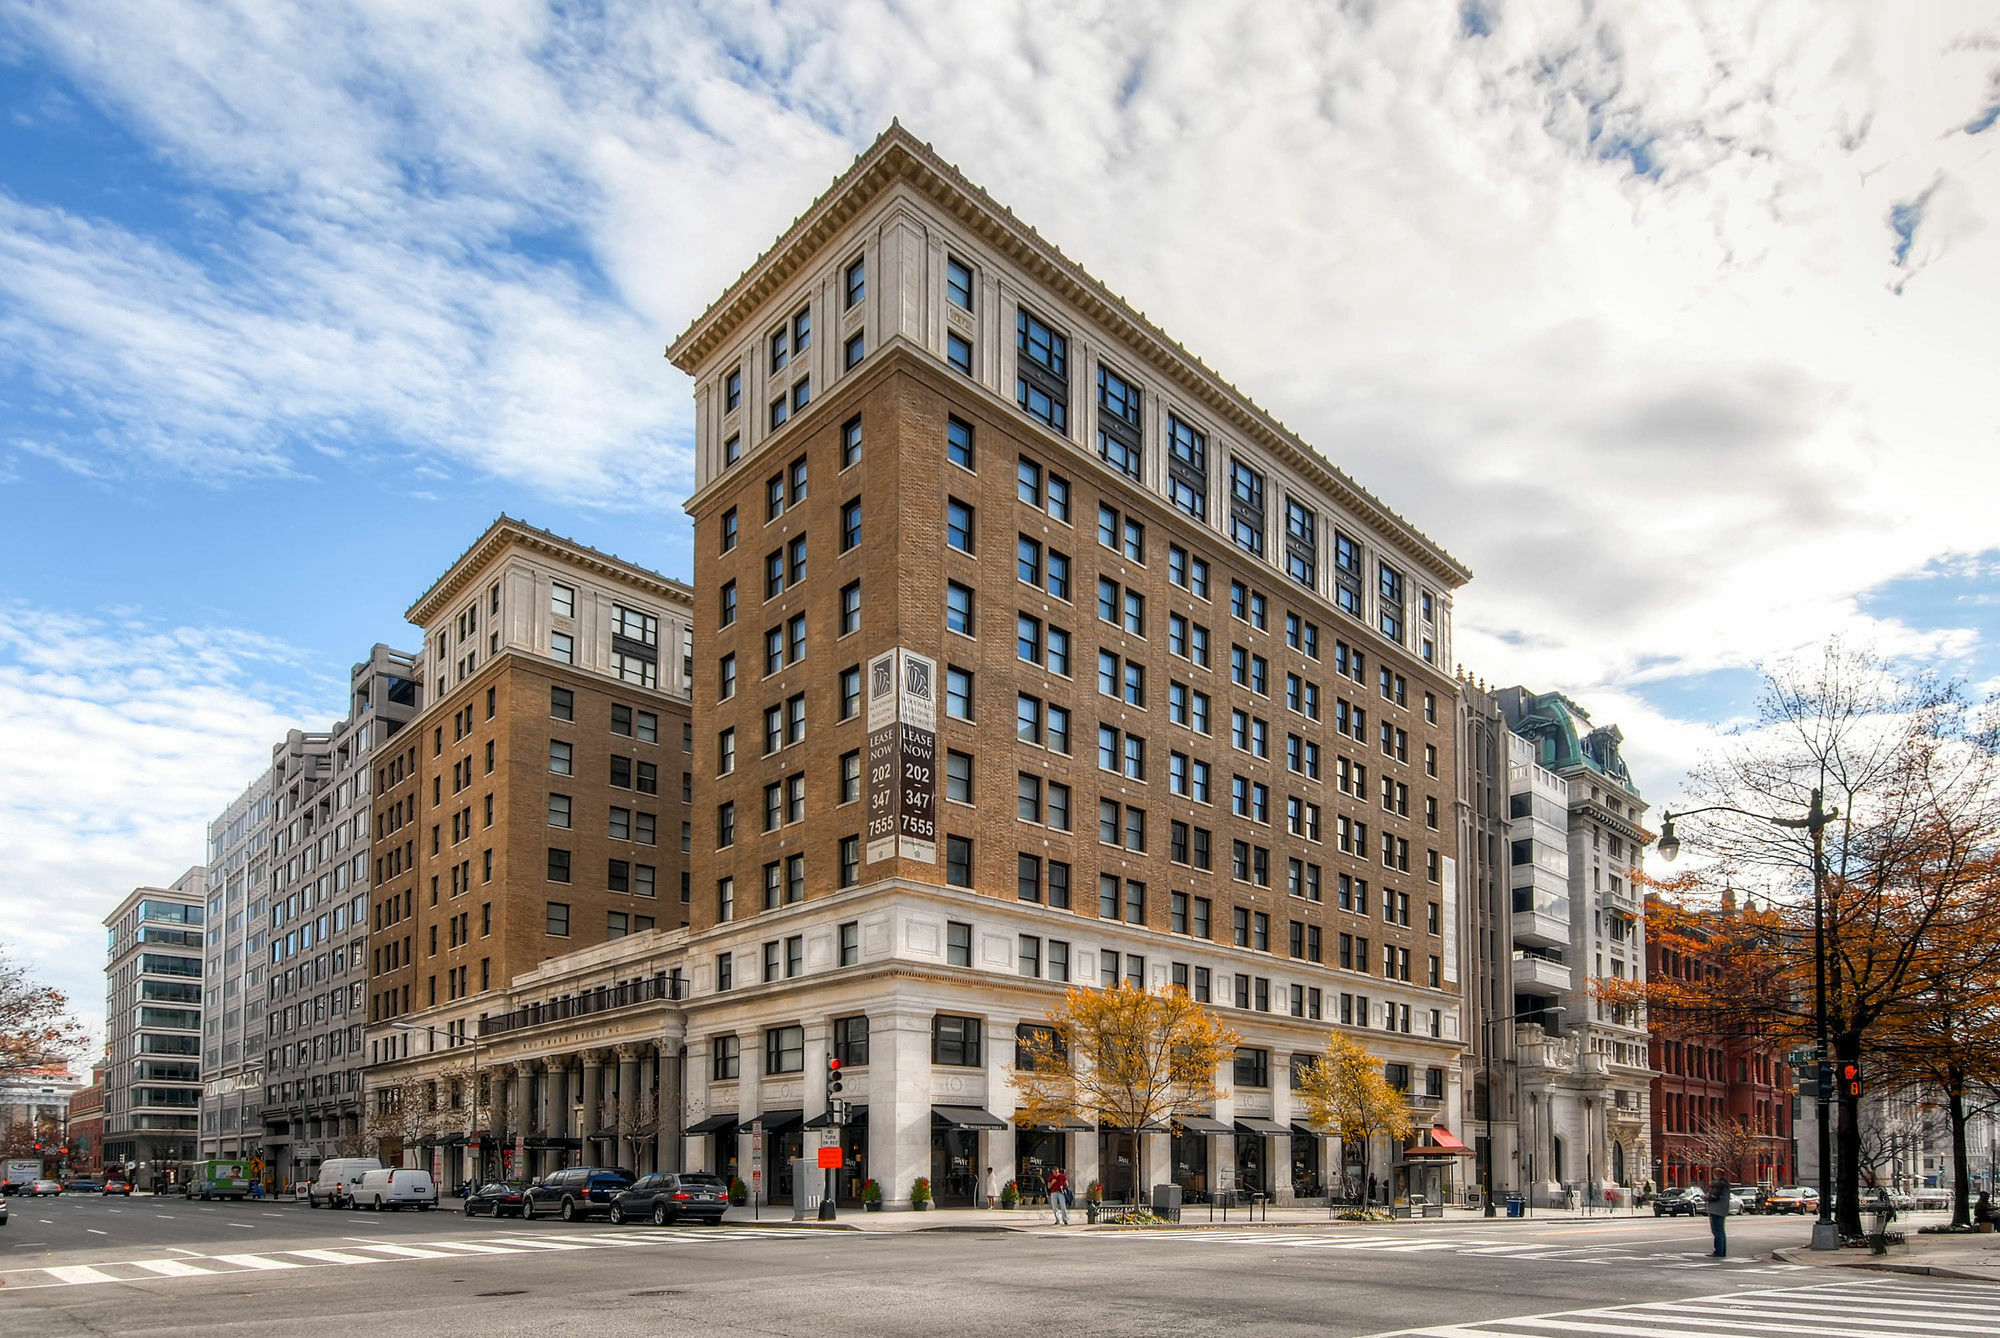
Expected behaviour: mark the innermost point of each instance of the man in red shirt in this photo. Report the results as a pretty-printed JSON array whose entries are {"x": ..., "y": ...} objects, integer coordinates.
[{"x": 1059, "y": 1195}]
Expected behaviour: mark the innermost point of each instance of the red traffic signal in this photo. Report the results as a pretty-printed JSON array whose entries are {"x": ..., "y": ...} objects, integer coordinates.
[
  {"x": 832, "y": 1077},
  {"x": 1850, "y": 1078}
]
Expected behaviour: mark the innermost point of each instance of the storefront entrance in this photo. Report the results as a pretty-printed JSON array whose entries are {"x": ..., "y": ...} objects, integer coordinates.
[
  {"x": 1252, "y": 1170},
  {"x": 1037, "y": 1152},
  {"x": 1305, "y": 1163},
  {"x": 1190, "y": 1152},
  {"x": 1115, "y": 1150},
  {"x": 955, "y": 1166}
]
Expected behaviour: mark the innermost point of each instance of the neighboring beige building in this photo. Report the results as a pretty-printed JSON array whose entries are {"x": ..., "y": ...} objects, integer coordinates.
[{"x": 535, "y": 806}]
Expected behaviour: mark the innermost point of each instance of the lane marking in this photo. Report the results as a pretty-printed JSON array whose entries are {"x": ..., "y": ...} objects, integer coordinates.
[
  {"x": 252, "y": 1261},
  {"x": 171, "y": 1268},
  {"x": 74, "y": 1273},
  {"x": 335, "y": 1257}
]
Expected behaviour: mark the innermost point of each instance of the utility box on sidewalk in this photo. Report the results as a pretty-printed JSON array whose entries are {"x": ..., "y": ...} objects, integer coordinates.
[
  {"x": 1167, "y": 1202},
  {"x": 808, "y": 1185}
]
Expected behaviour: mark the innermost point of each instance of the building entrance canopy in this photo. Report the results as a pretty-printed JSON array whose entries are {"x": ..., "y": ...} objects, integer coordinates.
[
  {"x": 966, "y": 1117},
  {"x": 714, "y": 1124}
]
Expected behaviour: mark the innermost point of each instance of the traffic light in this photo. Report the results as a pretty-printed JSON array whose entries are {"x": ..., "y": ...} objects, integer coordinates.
[
  {"x": 833, "y": 1077},
  {"x": 1850, "y": 1078}
]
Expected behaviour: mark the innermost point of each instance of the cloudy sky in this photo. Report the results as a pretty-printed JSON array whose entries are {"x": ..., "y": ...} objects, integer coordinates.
[{"x": 1677, "y": 322}]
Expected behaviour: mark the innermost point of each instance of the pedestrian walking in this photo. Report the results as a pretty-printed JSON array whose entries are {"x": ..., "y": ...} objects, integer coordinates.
[
  {"x": 1059, "y": 1195},
  {"x": 992, "y": 1190},
  {"x": 1718, "y": 1214}
]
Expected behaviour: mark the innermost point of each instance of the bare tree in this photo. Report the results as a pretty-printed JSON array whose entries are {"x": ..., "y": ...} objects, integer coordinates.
[{"x": 36, "y": 1028}]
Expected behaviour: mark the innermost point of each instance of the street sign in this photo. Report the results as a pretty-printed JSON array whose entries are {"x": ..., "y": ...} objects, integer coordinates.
[
  {"x": 829, "y": 1159},
  {"x": 256, "y": 1166}
]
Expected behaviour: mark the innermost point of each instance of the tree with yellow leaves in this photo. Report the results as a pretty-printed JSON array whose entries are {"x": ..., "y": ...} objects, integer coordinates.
[
  {"x": 1346, "y": 1094},
  {"x": 1123, "y": 1057}
]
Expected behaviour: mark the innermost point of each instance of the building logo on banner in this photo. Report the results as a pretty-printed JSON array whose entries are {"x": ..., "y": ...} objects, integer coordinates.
[{"x": 902, "y": 757}]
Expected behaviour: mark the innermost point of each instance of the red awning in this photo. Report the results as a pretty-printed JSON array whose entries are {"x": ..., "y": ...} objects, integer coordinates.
[{"x": 1440, "y": 1142}]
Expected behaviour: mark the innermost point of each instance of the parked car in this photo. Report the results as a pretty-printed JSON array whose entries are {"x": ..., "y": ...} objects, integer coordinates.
[
  {"x": 118, "y": 1184},
  {"x": 580, "y": 1191},
  {"x": 496, "y": 1198},
  {"x": 666, "y": 1197},
  {"x": 334, "y": 1186},
  {"x": 3, "y": 1210},
  {"x": 396, "y": 1187},
  {"x": 1795, "y": 1199},
  {"x": 44, "y": 1189},
  {"x": 86, "y": 1184},
  {"x": 1685, "y": 1202},
  {"x": 1746, "y": 1199}
]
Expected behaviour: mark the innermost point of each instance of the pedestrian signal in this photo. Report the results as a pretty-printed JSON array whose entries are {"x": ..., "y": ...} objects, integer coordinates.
[{"x": 1850, "y": 1078}]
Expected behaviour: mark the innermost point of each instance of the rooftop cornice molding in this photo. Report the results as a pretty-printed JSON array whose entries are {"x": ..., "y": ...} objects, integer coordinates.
[
  {"x": 505, "y": 533},
  {"x": 898, "y": 157}
]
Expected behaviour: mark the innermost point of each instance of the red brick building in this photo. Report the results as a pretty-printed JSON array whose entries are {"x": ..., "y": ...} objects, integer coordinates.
[
  {"x": 1712, "y": 1084},
  {"x": 86, "y": 1126}
]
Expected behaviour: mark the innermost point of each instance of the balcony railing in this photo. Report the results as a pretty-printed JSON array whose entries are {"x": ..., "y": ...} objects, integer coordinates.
[{"x": 603, "y": 999}]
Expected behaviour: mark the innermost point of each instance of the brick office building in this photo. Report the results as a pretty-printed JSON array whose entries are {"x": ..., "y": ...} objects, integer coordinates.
[
  {"x": 1167, "y": 688},
  {"x": 1706, "y": 1082},
  {"x": 536, "y": 805}
]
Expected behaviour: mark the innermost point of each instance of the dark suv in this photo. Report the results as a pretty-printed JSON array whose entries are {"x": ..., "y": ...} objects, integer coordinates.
[
  {"x": 580, "y": 1191},
  {"x": 667, "y": 1196}
]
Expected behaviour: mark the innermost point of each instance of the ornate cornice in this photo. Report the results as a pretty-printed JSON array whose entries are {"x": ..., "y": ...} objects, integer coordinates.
[
  {"x": 505, "y": 533},
  {"x": 898, "y": 157}
]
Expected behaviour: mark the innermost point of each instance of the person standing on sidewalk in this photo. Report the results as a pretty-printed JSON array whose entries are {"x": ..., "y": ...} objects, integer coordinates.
[
  {"x": 992, "y": 1189},
  {"x": 1059, "y": 1195},
  {"x": 1718, "y": 1214}
]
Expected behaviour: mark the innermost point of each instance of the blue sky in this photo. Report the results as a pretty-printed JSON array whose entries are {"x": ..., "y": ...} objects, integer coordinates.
[{"x": 1675, "y": 321}]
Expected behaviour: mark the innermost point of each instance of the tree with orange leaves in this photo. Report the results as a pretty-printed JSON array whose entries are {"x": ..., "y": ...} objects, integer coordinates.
[{"x": 1910, "y": 866}]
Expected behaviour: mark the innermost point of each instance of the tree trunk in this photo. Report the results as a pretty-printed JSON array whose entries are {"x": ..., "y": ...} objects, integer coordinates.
[
  {"x": 1847, "y": 1157},
  {"x": 1961, "y": 1174}
]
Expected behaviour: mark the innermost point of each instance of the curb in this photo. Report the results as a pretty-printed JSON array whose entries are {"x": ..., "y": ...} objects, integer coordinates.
[{"x": 1873, "y": 1265}]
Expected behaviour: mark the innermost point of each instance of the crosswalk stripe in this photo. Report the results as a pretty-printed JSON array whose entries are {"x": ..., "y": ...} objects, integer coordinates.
[
  {"x": 78, "y": 1273},
  {"x": 1765, "y": 1311},
  {"x": 253, "y": 1261},
  {"x": 171, "y": 1268},
  {"x": 335, "y": 1257},
  {"x": 408, "y": 1251},
  {"x": 474, "y": 1247},
  {"x": 542, "y": 1243},
  {"x": 1850, "y": 1309}
]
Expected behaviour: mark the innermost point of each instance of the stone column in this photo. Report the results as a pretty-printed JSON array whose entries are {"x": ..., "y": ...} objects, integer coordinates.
[
  {"x": 628, "y": 1104},
  {"x": 667, "y": 1070},
  {"x": 520, "y": 1087},
  {"x": 697, "y": 1150},
  {"x": 999, "y": 1149},
  {"x": 591, "y": 1119},
  {"x": 1222, "y": 1147},
  {"x": 1281, "y": 1113},
  {"x": 899, "y": 1101}
]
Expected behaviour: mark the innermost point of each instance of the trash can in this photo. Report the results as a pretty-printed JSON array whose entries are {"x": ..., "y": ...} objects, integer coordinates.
[
  {"x": 1167, "y": 1202},
  {"x": 1515, "y": 1203}
]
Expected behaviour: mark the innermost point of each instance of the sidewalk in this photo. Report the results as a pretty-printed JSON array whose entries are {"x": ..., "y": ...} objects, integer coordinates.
[
  {"x": 1972, "y": 1256},
  {"x": 1193, "y": 1217}
]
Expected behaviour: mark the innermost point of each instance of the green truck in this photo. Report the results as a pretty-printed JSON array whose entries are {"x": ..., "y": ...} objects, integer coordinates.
[{"x": 223, "y": 1179}]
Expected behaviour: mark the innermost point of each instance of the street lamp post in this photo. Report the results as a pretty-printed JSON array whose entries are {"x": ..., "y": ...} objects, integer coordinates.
[
  {"x": 1486, "y": 1159},
  {"x": 1826, "y": 1236}
]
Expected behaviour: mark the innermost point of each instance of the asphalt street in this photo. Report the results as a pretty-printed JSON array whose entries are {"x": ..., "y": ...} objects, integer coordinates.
[{"x": 142, "y": 1266}]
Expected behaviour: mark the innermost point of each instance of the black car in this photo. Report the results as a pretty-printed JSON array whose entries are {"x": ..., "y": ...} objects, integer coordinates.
[
  {"x": 580, "y": 1191},
  {"x": 1688, "y": 1202},
  {"x": 666, "y": 1196},
  {"x": 497, "y": 1198}
]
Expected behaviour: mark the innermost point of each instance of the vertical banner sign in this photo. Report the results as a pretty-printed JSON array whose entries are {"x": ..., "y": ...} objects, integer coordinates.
[{"x": 902, "y": 757}]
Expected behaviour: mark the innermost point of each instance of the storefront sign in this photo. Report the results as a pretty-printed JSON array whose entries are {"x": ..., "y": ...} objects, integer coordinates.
[{"x": 901, "y": 760}]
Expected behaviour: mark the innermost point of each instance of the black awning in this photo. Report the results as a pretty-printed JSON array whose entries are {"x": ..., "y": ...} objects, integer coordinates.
[
  {"x": 1301, "y": 1131},
  {"x": 1250, "y": 1124},
  {"x": 775, "y": 1121},
  {"x": 541, "y": 1141},
  {"x": 1201, "y": 1124},
  {"x": 1065, "y": 1125},
  {"x": 967, "y": 1117},
  {"x": 714, "y": 1124},
  {"x": 824, "y": 1120},
  {"x": 452, "y": 1141},
  {"x": 1109, "y": 1128}
]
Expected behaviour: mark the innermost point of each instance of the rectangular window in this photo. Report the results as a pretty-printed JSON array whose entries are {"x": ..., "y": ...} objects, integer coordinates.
[
  {"x": 958, "y": 608},
  {"x": 557, "y": 923},
  {"x": 1301, "y": 544},
  {"x": 958, "y": 861},
  {"x": 958, "y": 352},
  {"x": 1391, "y": 606},
  {"x": 956, "y": 1041},
  {"x": 1246, "y": 507},
  {"x": 850, "y": 1034},
  {"x": 1187, "y": 468},
  {"x": 1042, "y": 387},
  {"x": 785, "y": 1050},
  {"x": 958, "y": 526},
  {"x": 958, "y": 283},
  {"x": 1118, "y": 439},
  {"x": 958, "y": 443},
  {"x": 855, "y": 281},
  {"x": 957, "y": 943},
  {"x": 850, "y": 442},
  {"x": 958, "y": 693}
]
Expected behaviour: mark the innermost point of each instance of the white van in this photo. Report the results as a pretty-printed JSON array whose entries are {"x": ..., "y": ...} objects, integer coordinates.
[
  {"x": 396, "y": 1187},
  {"x": 334, "y": 1186}
]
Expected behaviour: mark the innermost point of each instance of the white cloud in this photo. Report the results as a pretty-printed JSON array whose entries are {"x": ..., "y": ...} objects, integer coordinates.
[
  {"x": 1610, "y": 299},
  {"x": 123, "y": 739}
]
